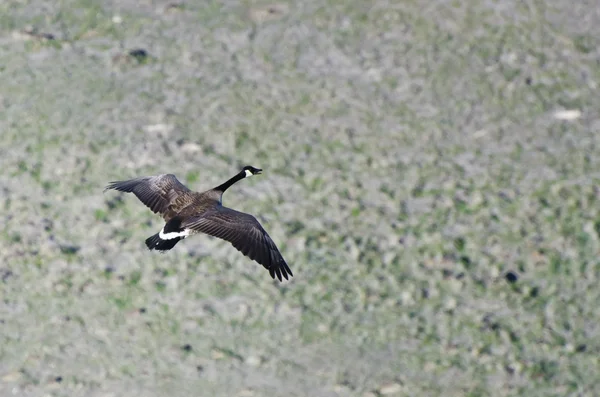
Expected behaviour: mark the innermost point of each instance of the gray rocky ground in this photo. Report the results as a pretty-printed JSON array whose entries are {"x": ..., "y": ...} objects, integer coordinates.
[{"x": 430, "y": 173}]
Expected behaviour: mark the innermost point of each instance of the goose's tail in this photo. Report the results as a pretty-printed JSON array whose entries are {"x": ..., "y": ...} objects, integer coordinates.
[{"x": 157, "y": 243}]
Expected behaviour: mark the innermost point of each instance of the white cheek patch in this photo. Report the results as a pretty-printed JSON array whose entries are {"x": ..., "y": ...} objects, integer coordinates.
[
  {"x": 172, "y": 235},
  {"x": 248, "y": 173}
]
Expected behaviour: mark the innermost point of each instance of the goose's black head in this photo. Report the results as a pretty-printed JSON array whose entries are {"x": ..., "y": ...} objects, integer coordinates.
[{"x": 249, "y": 171}]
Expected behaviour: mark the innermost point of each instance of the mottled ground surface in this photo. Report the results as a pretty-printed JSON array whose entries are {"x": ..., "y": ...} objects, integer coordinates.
[{"x": 430, "y": 175}]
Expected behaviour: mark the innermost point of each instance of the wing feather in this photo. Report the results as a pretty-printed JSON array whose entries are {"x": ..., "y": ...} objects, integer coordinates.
[
  {"x": 246, "y": 234},
  {"x": 159, "y": 193}
]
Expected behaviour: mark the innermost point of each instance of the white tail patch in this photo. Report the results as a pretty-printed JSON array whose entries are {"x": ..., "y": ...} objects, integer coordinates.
[{"x": 172, "y": 235}]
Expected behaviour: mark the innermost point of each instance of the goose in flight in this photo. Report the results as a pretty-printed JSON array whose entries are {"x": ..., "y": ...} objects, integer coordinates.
[{"x": 187, "y": 213}]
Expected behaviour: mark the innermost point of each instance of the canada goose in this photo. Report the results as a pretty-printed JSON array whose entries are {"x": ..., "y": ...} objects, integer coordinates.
[{"x": 187, "y": 212}]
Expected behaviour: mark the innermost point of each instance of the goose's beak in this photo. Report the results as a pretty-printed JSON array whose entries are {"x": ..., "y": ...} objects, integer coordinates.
[{"x": 258, "y": 171}]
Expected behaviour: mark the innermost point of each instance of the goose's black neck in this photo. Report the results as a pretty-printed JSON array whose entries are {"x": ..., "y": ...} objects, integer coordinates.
[{"x": 221, "y": 188}]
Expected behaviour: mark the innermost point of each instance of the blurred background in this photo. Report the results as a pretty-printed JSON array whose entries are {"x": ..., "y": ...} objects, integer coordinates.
[{"x": 430, "y": 174}]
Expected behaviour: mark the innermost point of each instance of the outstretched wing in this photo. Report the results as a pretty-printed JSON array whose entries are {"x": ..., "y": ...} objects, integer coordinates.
[
  {"x": 245, "y": 233},
  {"x": 163, "y": 194}
]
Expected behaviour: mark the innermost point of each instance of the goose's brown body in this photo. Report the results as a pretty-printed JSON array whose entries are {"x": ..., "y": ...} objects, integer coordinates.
[{"x": 187, "y": 212}]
